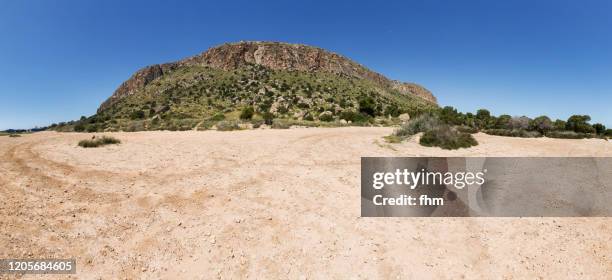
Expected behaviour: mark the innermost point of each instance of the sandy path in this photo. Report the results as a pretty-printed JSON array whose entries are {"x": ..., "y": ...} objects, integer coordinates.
[{"x": 268, "y": 204}]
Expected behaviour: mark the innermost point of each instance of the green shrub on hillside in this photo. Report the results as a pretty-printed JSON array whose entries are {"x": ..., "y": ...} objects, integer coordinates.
[
  {"x": 268, "y": 118},
  {"x": 367, "y": 106},
  {"x": 218, "y": 117},
  {"x": 247, "y": 113}
]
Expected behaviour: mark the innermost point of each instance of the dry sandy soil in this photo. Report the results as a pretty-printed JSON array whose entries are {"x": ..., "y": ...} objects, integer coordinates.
[{"x": 268, "y": 204}]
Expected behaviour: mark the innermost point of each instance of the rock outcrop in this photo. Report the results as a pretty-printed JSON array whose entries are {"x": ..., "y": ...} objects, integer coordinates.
[{"x": 273, "y": 55}]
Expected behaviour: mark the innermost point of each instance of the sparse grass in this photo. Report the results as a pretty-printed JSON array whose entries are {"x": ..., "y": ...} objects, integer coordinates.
[
  {"x": 98, "y": 142},
  {"x": 447, "y": 138},
  {"x": 392, "y": 139},
  {"x": 14, "y": 135}
]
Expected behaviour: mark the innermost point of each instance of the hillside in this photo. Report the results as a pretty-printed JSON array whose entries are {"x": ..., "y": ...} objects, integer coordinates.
[{"x": 277, "y": 80}]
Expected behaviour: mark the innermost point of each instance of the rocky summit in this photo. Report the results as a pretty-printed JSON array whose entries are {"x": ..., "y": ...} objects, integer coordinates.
[{"x": 275, "y": 80}]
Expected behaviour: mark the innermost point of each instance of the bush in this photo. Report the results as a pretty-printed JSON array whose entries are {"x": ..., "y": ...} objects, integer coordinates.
[
  {"x": 421, "y": 123},
  {"x": 268, "y": 118},
  {"x": 450, "y": 115},
  {"x": 367, "y": 106},
  {"x": 521, "y": 123},
  {"x": 280, "y": 124},
  {"x": 247, "y": 113},
  {"x": 227, "y": 126},
  {"x": 541, "y": 124},
  {"x": 354, "y": 117},
  {"x": 102, "y": 141},
  {"x": 218, "y": 117},
  {"x": 137, "y": 115},
  {"x": 448, "y": 138},
  {"x": 14, "y": 135},
  {"x": 600, "y": 129},
  {"x": 513, "y": 133},
  {"x": 568, "y": 135},
  {"x": 326, "y": 116},
  {"x": 80, "y": 127},
  {"x": 608, "y": 132},
  {"x": 579, "y": 123}
]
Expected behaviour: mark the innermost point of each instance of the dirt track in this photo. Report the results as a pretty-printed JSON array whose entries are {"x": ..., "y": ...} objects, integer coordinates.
[{"x": 268, "y": 204}]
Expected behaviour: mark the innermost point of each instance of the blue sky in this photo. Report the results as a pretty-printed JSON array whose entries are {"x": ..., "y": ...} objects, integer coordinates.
[{"x": 60, "y": 59}]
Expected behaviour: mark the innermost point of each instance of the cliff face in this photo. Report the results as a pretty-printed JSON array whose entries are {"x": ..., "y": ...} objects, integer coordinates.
[{"x": 272, "y": 55}]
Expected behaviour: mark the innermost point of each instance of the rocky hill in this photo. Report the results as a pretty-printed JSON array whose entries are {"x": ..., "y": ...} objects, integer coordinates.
[{"x": 285, "y": 81}]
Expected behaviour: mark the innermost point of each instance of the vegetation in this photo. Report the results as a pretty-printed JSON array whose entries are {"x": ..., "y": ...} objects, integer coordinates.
[
  {"x": 435, "y": 133},
  {"x": 446, "y": 137},
  {"x": 576, "y": 126},
  {"x": 247, "y": 113},
  {"x": 188, "y": 96},
  {"x": 97, "y": 142},
  {"x": 14, "y": 135},
  {"x": 227, "y": 126}
]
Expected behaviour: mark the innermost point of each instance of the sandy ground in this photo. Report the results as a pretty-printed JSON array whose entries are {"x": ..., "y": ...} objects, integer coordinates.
[{"x": 267, "y": 204}]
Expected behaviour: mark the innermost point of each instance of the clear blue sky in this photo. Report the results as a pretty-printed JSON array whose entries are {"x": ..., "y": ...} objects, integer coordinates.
[{"x": 60, "y": 59}]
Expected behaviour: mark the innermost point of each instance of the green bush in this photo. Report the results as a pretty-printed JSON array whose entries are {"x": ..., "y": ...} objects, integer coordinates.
[
  {"x": 600, "y": 129},
  {"x": 354, "y": 117},
  {"x": 326, "y": 117},
  {"x": 450, "y": 115},
  {"x": 137, "y": 115},
  {"x": 608, "y": 132},
  {"x": 513, "y": 133},
  {"x": 268, "y": 118},
  {"x": 541, "y": 124},
  {"x": 247, "y": 113},
  {"x": 579, "y": 123},
  {"x": 227, "y": 126},
  {"x": 421, "y": 123},
  {"x": 448, "y": 138},
  {"x": 568, "y": 135},
  {"x": 281, "y": 124},
  {"x": 367, "y": 106},
  {"x": 79, "y": 127},
  {"x": 97, "y": 142},
  {"x": 218, "y": 117},
  {"x": 14, "y": 135}
]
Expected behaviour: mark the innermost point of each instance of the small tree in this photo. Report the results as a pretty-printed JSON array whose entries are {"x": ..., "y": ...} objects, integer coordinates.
[
  {"x": 247, "y": 113},
  {"x": 580, "y": 124},
  {"x": 559, "y": 125},
  {"x": 600, "y": 129},
  {"x": 520, "y": 122},
  {"x": 503, "y": 122},
  {"x": 541, "y": 124},
  {"x": 484, "y": 119}
]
